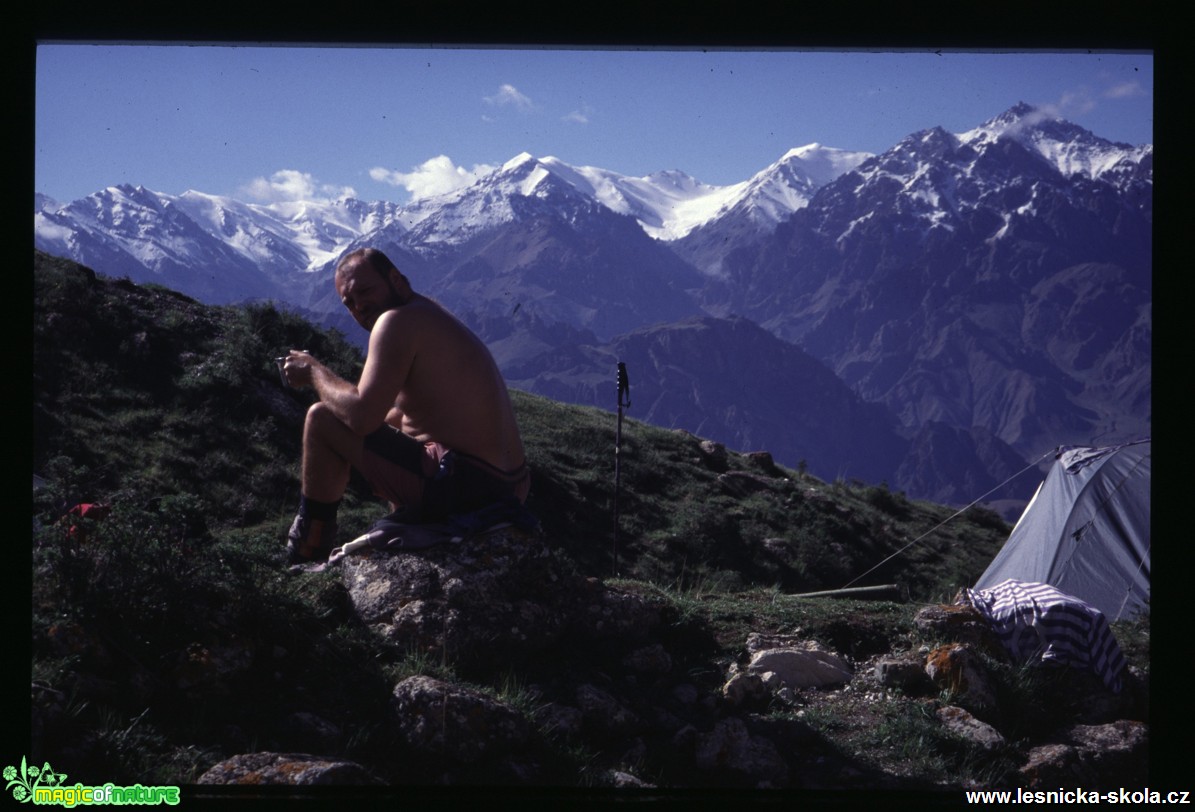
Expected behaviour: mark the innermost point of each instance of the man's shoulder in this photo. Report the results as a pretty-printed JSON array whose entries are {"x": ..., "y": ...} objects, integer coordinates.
[
  {"x": 416, "y": 320},
  {"x": 406, "y": 317}
]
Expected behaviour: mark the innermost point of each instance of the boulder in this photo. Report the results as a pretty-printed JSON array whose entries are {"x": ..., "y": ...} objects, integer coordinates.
[
  {"x": 607, "y": 613},
  {"x": 456, "y": 722},
  {"x": 905, "y": 672},
  {"x": 297, "y": 769},
  {"x": 956, "y": 668},
  {"x": 559, "y": 722},
  {"x": 743, "y": 687},
  {"x": 1095, "y": 756},
  {"x": 732, "y": 750},
  {"x": 603, "y": 713},
  {"x": 764, "y": 462},
  {"x": 714, "y": 455},
  {"x": 490, "y": 599},
  {"x": 1052, "y": 765},
  {"x": 649, "y": 659},
  {"x": 1103, "y": 757},
  {"x": 956, "y": 623},
  {"x": 807, "y": 666},
  {"x": 1118, "y": 749},
  {"x": 963, "y": 724}
]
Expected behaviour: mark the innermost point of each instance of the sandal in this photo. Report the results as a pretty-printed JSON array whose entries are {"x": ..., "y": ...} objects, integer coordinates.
[{"x": 309, "y": 540}]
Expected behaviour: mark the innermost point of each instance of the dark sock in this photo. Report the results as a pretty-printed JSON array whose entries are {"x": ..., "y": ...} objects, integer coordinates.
[{"x": 315, "y": 509}]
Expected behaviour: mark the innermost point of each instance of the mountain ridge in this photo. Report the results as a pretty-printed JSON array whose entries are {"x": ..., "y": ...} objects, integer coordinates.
[{"x": 927, "y": 277}]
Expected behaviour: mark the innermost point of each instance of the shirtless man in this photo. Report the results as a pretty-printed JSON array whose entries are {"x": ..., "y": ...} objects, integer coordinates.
[{"x": 429, "y": 424}]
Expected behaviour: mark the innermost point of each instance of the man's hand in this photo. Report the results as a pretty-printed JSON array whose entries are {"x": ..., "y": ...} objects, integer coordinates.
[
  {"x": 363, "y": 406},
  {"x": 362, "y": 410},
  {"x": 299, "y": 368}
]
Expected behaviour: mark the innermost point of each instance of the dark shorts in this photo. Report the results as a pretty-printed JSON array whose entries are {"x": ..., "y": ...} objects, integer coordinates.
[{"x": 435, "y": 481}]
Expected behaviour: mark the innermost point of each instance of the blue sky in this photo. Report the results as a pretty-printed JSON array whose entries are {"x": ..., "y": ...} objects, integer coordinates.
[{"x": 266, "y": 123}]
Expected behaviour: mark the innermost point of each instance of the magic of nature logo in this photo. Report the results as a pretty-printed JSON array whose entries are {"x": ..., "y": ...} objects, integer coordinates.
[{"x": 44, "y": 786}]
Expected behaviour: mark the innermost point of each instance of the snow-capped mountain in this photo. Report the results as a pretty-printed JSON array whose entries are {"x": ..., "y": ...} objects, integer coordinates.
[
  {"x": 214, "y": 248},
  {"x": 789, "y": 184},
  {"x": 282, "y": 239},
  {"x": 149, "y": 237},
  {"x": 42, "y": 202},
  {"x": 742, "y": 214},
  {"x": 923, "y": 278},
  {"x": 941, "y": 179},
  {"x": 532, "y": 236},
  {"x": 287, "y": 236},
  {"x": 1069, "y": 148},
  {"x": 990, "y": 287},
  {"x": 668, "y": 205}
]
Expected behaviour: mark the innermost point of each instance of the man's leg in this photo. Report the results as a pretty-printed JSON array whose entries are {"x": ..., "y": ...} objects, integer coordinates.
[{"x": 330, "y": 449}]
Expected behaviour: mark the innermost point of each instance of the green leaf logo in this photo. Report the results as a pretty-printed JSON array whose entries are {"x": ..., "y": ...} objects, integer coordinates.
[{"x": 24, "y": 782}]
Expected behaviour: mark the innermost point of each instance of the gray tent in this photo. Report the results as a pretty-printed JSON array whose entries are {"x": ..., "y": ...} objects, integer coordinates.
[{"x": 1086, "y": 530}]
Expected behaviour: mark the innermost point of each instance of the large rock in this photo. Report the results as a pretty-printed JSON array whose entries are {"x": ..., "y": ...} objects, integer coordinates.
[
  {"x": 780, "y": 664},
  {"x": 905, "y": 671},
  {"x": 957, "y": 623},
  {"x": 1097, "y": 756},
  {"x": 807, "y": 666},
  {"x": 608, "y": 613},
  {"x": 604, "y": 714},
  {"x": 296, "y": 769},
  {"x": 742, "y": 688},
  {"x": 966, "y": 726},
  {"x": 956, "y": 668},
  {"x": 732, "y": 750},
  {"x": 456, "y": 722},
  {"x": 480, "y": 602},
  {"x": 1119, "y": 748}
]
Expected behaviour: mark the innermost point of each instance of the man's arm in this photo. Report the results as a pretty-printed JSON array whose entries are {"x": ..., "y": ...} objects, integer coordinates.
[{"x": 364, "y": 406}]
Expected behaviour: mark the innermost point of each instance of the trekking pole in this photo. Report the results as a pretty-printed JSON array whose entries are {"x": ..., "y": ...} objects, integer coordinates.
[{"x": 624, "y": 401}]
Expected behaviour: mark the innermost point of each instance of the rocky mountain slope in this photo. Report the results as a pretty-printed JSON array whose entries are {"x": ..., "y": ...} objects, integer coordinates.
[
  {"x": 732, "y": 381},
  {"x": 1000, "y": 278}
]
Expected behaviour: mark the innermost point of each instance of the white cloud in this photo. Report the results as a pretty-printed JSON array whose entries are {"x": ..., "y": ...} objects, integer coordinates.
[
  {"x": 1124, "y": 90},
  {"x": 509, "y": 94},
  {"x": 435, "y": 176},
  {"x": 1071, "y": 105},
  {"x": 579, "y": 116},
  {"x": 291, "y": 184}
]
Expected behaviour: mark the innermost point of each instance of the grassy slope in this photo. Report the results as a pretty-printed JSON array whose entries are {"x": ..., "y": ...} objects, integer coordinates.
[
  {"x": 683, "y": 524},
  {"x": 139, "y": 388},
  {"x": 172, "y": 413}
]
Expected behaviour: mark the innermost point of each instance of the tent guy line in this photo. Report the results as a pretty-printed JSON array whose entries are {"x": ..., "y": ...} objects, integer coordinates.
[{"x": 952, "y": 517}]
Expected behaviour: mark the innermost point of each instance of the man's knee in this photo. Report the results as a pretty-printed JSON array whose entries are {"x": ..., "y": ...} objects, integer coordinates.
[
  {"x": 320, "y": 417},
  {"x": 323, "y": 428},
  {"x": 323, "y": 424}
]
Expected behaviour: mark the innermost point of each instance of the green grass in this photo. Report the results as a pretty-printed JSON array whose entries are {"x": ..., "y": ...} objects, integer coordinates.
[
  {"x": 169, "y": 635},
  {"x": 139, "y": 389},
  {"x": 680, "y": 524}
]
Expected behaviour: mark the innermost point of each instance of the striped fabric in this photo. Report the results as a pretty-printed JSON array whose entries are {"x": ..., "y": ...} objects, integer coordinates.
[{"x": 1037, "y": 621}]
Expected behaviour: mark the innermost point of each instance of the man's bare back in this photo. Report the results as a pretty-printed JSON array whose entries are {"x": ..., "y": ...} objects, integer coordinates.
[{"x": 453, "y": 393}]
